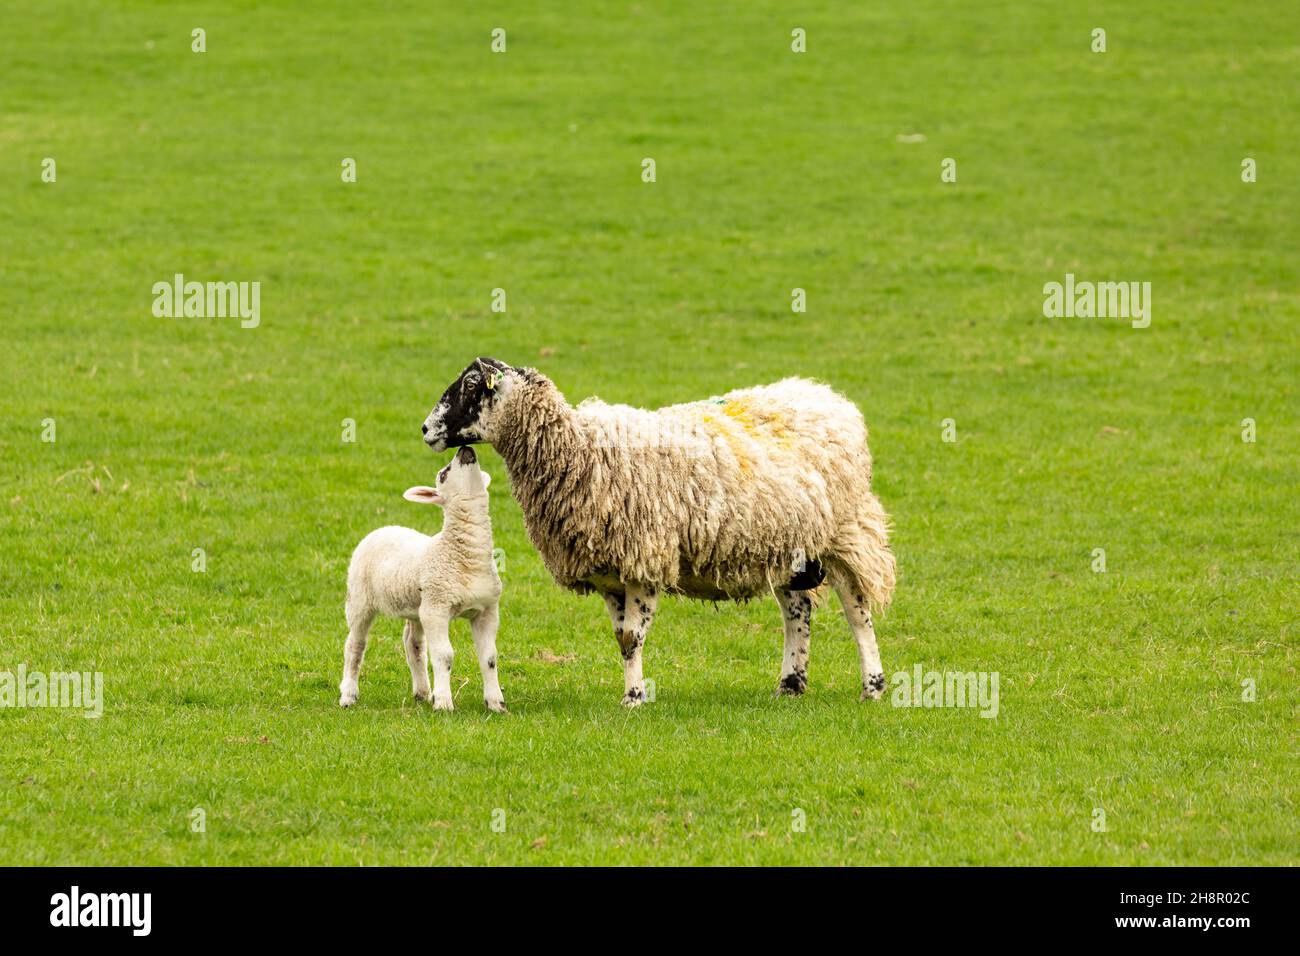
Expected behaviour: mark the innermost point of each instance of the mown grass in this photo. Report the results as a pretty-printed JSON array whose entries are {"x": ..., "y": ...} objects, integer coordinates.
[{"x": 1120, "y": 691}]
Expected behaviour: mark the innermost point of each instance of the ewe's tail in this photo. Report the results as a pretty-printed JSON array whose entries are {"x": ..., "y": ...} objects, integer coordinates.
[{"x": 862, "y": 551}]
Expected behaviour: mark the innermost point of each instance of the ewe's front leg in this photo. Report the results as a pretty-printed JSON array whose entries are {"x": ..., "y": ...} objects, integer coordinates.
[
  {"x": 435, "y": 621},
  {"x": 484, "y": 629},
  {"x": 796, "y": 613},
  {"x": 631, "y": 614}
]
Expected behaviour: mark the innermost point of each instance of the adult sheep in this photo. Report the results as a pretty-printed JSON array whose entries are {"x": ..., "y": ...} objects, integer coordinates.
[{"x": 763, "y": 489}]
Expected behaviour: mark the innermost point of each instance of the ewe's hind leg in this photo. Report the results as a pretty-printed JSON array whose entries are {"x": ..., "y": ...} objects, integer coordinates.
[
  {"x": 484, "y": 629},
  {"x": 359, "y": 620},
  {"x": 796, "y": 611},
  {"x": 857, "y": 611},
  {"x": 631, "y": 614},
  {"x": 417, "y": 660}
]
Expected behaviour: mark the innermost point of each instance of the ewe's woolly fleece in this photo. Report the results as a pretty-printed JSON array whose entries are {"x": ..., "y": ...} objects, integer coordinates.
[{"x": 713, "y": 499}]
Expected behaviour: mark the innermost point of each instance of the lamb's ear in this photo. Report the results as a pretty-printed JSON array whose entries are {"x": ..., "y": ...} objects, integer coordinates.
[
  {"x": 487, "y": 480},
  {"x": 424, "y": 495}
]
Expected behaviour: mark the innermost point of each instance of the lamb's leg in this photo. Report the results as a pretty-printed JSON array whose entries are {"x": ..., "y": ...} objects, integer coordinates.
[
  {"x": 796, "y": 612},
  {"x": 413, "y": 641},
  {"x": 857, "y": 611},
  {"x": 436, "y": 621},
  {"x": 484, "y": 629},
  {"x": 359, "y": 621},
  {"x": 631, "y": 613}
]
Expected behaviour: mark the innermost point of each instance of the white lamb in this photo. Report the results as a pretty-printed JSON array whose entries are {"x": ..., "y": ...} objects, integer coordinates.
[
  {"x": 762, "y": 490},
  {"x": 428, "y": 581}
]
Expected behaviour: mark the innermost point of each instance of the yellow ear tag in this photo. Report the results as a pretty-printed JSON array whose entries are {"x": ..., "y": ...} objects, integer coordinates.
[{"x": 494, "y": 380}]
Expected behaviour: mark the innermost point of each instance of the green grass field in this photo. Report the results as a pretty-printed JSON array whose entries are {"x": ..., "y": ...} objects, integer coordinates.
[{"x": 1119, "y": 691}]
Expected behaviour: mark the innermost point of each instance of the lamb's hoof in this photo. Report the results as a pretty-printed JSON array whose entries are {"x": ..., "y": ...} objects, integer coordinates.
[
  {"x": 422, "y": 698},
  {"x": 634, "y": 697},
  {"x": 443, "y": 704},
  {"x": 347, "y": 698},
  {"x": 792, "y": 685},
  {"x": 496, "y": 706},
  {"x": 874, "y": 688}
]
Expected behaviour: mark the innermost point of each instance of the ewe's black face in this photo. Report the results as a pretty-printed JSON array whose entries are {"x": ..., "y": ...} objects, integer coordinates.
[{"x": 464, "y": 415}]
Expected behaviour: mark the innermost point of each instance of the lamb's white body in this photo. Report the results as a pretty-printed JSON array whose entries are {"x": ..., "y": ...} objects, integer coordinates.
[
  {"x": 385, "y": 571},
  {"x": 428, "y": 580}
]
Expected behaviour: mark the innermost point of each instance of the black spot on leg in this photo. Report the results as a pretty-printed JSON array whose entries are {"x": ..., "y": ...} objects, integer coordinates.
[
  {"x": 492, "y": 662},
  {"x": 874, "y": 684},
  {"x": 797, "y": 607},
  {"x": 794, "y": 683},
  {"x": 628, "y": 643}
]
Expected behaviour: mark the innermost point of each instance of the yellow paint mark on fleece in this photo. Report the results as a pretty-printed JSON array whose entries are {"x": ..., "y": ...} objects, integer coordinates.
[
  {"x": 769, "y": 425},
  {"x": 728, "y": 434},
  {"x": 763, "y": 427}
]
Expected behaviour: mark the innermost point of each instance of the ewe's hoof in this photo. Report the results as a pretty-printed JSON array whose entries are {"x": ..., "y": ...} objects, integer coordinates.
[
  {"x": 634, "y": 698},
  {"x": 496, "y": 706},
  {"x": 443, "y": 704},
  {"x": 347, "y": 698},
  {"x": 874, "y": 688},
  {"x": 426, "y": 696},
  {"x": 792, "y": 685}
]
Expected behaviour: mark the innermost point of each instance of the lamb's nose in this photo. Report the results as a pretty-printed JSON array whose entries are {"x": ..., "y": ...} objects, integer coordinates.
[{"x": 424, "y": 429}]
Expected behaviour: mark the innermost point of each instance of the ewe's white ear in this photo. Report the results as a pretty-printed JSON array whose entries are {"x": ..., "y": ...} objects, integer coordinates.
[
  {"x": 424, "y": 495},
  {"x": 487, "y": 480}
]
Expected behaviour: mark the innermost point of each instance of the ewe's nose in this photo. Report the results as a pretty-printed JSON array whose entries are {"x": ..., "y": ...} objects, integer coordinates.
[{"x": 424, "y": 429}]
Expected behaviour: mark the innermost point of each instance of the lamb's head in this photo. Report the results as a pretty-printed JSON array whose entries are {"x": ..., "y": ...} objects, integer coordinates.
[
  {"x": 460, "y": 480},
  {"x": 468, "y": 411}
]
